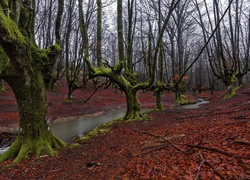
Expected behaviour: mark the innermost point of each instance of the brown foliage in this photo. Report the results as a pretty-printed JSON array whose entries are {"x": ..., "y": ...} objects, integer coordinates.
[{"x": 211, "y": 142}]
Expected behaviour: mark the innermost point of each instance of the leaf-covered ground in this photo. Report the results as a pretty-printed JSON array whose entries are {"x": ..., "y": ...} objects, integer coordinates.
[{"x": 212, "y": 142}]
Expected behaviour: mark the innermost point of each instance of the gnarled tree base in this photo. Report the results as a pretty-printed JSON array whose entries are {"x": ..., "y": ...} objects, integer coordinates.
[
  {"x": 131, "y": 116},
  {"x": 21, "y": 148},
  {"x": 231, "y": 92}
]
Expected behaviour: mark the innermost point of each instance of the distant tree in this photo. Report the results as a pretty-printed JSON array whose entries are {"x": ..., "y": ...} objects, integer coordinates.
[
  {"x": 178, "y": 47},
  {"x": 123, "y": 73},
  {"x": 223, "y": 52},
  {"x": 237, "y": 45},
  {"x": 72, "y": 51},
  {"x": 45, "y": 33},
  {"x": 158, "y": 87},
  {"x": 28, "y": 70}
]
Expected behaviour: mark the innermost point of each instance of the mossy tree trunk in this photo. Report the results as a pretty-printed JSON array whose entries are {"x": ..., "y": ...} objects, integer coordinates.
[
  {"x": 158, "y": 94},
  {"x": 239, "y": 77},
  {"x": 229, "y": 80},
  {"x": 133, "y": 105},
  {"x": 178, "y": 95},
  {"x": 159, "y": 86},
  {"x": 125, "y": 82},
  {"x": 177, "y": 90},
  {"x": 28, "y": 71},
  {"x": 123, "y": 74},
  {"x": 35, "y": 134}
]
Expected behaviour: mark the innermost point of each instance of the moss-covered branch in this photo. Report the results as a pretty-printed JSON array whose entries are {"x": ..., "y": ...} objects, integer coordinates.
[{"x": 4, "y": 61}]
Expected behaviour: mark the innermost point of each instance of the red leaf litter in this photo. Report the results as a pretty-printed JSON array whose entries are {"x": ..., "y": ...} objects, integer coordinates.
[{"x": 212, "y": 142}]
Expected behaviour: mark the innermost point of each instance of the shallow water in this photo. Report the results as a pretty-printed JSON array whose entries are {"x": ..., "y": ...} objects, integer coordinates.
[
  {"x": 69, "y": 129},
  {"x": 2, "y": 150},
  {"x": 196, "y": 105}
]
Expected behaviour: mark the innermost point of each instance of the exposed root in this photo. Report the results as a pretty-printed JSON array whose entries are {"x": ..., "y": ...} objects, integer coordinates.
[
  {"x": 242, "y": 142},
  {"x": 203, "y": 161},
  {"x": 11, "y": 152},
  {"x": 238, "y": 122},
  {"x": 199, "y": 146},
  {"x": 166, "y": 140},
  {"x": 135, "y": 116},
  {"x": 218, "y": 150},
  {"x": 22, "y": 149}
]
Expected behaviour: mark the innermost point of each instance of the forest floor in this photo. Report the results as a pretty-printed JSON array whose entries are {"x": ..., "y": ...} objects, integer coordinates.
[{"x": 212, "y": 142}]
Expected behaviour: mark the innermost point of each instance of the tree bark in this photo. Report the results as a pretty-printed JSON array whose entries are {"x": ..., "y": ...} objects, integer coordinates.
[
  {"x": 133, "y": 105},
  {"x": 35, "y": 134},
  {"x": 28, "y": 71}
]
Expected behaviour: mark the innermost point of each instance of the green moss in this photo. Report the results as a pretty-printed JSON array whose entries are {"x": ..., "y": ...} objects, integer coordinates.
[
  {"x": 95, "y": 132},
  {"x": 74, "y": 145},
  {"x": 39, "y": 55},
  {"x": 53, "y": 51},
  {"x": 3, "y": 89},
  {"x": 99, "y": 130},
  {"x": 231, "y": 93},
  {"x": 4, "y": 4},
  {"x": 45, "y": 57},
  {"x": 4, "y": 60},
  {"x": 106, "y": 127},
  {"x": 10, "y": 31},
  {"x": 23, "y": 20},
  {"x": 34, "y": 135},
  {"x": 69, "y": 101},
  {"x": 22, "y": 147},
  {"x": 185, "y": 102}
]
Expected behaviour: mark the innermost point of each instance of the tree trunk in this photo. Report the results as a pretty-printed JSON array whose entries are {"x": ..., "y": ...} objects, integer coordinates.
[
  {"x": 159, "y": 105},
  {"x": 158, "y": 94},
  {"x": 230, "y": 92},
  {"x": 178, "y": 95},
  {"x": 28, "y": 71},
  {"x": 70, "y": 93},
  {"x": 240, "y": 79},
  {"x": 133, "y": 105},
  {"x": 35, "y": 134},
  {"x": 229, "y": 81}
]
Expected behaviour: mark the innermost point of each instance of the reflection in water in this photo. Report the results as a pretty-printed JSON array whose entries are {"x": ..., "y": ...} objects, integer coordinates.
[{"x": 67, "y": 130}]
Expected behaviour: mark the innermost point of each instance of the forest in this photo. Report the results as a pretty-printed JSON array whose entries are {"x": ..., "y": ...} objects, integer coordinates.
[{"x": 69, "y": 58}]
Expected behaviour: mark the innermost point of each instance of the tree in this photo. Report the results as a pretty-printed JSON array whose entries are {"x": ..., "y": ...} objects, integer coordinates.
[
  {"x": 123, "y": 73},
  {"x": 72, "y": 51},
  {"x": 45, "y": 32},
  {"x": 28, "y": 71},
  {"x": 180, "y": 33},
  {"x": 158, "y": 87},
  {"x": 238, "y": 48},
  {"x": 223, "y": 52}
]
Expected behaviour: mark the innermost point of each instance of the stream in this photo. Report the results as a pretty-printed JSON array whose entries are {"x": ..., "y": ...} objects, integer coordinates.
[
  {"x": 69, "y": 129},
  {"x": 196, "y": 105},
  {"x": 2, "y": 150}
]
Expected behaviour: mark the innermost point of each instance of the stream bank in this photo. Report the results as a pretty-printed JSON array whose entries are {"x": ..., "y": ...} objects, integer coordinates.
[
  {"x": 195, "y": 105},
  {"x": 70, "y": 127}
]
